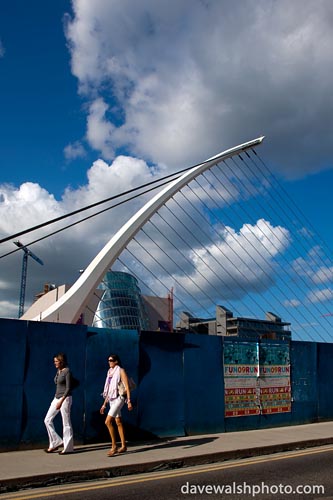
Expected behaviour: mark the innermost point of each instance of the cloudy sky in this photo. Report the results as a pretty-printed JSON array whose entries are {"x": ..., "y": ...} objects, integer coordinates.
[{"x": 99, "y": 97}]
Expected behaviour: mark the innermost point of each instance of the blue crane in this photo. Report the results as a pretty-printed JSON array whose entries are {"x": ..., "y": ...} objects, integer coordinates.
[{"x": 27, "y": 253}]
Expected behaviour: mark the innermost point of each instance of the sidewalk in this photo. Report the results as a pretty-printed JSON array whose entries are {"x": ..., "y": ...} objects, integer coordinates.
[{"x": 33, "y": 468}]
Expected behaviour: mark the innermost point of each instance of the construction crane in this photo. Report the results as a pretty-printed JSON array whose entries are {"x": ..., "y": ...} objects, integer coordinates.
[{"x": 27, "y": 253}]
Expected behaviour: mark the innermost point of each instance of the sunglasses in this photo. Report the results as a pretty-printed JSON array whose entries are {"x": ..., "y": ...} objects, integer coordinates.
[{"x": 111, "y": 360}]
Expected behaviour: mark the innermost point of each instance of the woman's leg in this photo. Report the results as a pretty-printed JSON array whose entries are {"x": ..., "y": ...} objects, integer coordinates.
[
  {"x": 112, "y": 431},
  {"x": 67, "y": 425},
  {"x": 121, "y": 433},
  {"x": 114, "y": 413},
  {"x": 54, "y": 439}
]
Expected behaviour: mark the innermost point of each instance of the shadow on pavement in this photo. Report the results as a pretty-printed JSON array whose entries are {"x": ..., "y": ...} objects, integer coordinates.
[{"x": 169, "y": 443}]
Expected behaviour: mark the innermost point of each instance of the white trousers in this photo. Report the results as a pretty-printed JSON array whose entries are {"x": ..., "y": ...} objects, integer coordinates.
[{"x": 54, "y": 438}]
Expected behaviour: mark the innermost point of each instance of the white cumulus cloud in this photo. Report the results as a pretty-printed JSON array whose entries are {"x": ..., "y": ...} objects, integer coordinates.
[
  {"x": 74, "y": 150},
  {"x": 321, "y": 295},
  {"x": 184, "y": 83},
  {"x": 66, "y": 252}
]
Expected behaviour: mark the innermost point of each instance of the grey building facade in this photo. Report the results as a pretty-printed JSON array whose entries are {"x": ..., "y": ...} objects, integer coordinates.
[{"x": 225, "y": 324}]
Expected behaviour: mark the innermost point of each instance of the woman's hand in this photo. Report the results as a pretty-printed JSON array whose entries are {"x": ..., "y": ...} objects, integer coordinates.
[
  {"x": 129, "y": 405},
  {"x": 102, "y": 409}
]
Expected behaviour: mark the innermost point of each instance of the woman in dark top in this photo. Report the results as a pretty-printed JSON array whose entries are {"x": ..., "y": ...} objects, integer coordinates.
[{"x": 62, "y": 402}]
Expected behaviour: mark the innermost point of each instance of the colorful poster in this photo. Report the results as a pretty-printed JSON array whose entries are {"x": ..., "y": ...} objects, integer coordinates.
[
  {"x": 241, "y": 372},
  {"x": 256, "y": 378},
  {"x": 274, "y": 382}
]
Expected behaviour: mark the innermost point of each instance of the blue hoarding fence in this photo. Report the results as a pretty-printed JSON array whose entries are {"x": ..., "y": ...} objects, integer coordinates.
[{"x": 180, "y": 382}]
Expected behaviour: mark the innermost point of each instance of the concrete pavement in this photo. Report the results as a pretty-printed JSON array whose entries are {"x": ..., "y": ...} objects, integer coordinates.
[{"x": 34, "y": 468}]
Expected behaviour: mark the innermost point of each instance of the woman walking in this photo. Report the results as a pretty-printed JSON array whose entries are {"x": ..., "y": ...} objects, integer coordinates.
[
  {"x": 115, "y": 376},
  {"x": 62, "y": 402}
]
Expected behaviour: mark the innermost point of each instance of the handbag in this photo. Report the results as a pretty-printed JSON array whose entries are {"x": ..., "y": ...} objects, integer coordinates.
[{"x": 122, "y": 389}]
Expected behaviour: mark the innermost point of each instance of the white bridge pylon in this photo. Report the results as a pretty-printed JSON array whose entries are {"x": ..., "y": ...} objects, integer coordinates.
[{"x": 72, "y": 304}]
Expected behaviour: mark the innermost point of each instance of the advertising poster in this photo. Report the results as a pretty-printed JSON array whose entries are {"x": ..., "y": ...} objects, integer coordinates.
[
  {"x": 274, "y": 382},
  {"x": 241, "y": 374}
]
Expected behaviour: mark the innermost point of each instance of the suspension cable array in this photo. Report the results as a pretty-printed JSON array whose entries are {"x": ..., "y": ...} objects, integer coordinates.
[{"x": 222, "y": 232}]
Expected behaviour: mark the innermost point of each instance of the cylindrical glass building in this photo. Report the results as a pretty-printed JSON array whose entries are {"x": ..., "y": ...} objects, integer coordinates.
[{"x": 120, "y": 306}]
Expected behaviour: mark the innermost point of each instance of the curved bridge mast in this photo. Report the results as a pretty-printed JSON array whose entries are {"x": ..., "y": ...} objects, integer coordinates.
[{"x": 71, "y": 305}]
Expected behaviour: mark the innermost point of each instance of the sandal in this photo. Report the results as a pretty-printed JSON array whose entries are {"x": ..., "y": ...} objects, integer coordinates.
[
  {"x": 112, "y": 452},
  {"x": 51, "y": 450},
  {"x": 122, "y": 449}
]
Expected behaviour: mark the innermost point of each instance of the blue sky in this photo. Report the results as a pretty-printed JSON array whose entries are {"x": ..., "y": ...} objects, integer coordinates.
[
  {"x": 98, "y": 97},
  {"x": 41, "y": 109}
]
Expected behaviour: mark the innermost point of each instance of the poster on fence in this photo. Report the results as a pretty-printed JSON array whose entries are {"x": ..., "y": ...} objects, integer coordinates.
[
  {"x": 274, "y": 381},
  {"x": 241, "y": 374}
]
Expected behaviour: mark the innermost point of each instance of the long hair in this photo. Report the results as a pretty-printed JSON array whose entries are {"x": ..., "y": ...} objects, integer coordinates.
[{"x": 61, "y": 356}]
